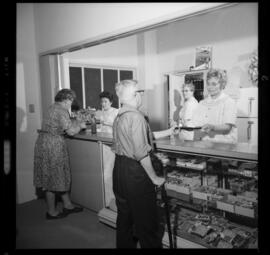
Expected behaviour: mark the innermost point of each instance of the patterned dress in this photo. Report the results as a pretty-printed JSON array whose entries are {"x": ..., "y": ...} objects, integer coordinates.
[{"x": 51, "y": 159}]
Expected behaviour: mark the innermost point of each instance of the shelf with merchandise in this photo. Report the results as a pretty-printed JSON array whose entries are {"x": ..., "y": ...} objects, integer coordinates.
[
  {"x": 210, "y": 230},
  {"x": 222, "y": 188}
]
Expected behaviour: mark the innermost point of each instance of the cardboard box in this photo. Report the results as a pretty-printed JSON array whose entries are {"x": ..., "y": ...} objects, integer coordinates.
[
  {"x": 249, "y": 212},
  {"x": 225, "y": 206}
]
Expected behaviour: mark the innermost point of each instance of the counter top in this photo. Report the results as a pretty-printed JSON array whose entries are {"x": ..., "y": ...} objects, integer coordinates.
[
  {"x": 243, "y": 151},
  {"x": 87, "y": 135}
]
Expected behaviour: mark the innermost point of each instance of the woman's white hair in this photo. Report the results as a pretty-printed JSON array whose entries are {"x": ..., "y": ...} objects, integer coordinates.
[{"x": 125, "y": 90}]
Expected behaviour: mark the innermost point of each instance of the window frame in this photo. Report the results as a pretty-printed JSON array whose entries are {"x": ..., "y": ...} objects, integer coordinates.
[{"x": 101, "y": 67}]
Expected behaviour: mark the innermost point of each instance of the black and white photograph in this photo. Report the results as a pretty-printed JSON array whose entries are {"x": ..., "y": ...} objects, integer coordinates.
[{"x": 136, "y": 126}]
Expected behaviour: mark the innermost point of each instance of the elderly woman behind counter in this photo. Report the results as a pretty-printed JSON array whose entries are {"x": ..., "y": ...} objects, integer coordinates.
[
  {"x": 51, "y": 162},
  {"x": 185, "y": 115},
  {"x": 216, "y": 114}
]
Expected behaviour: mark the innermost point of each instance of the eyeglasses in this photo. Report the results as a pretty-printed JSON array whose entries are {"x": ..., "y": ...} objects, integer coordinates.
[{"x": 141, "y": 92}]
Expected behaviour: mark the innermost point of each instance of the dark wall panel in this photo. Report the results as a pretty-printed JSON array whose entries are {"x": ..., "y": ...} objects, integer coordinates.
[
  {"x": 126, "y": 75},
  {"x": 92, "y": 87},
  {"x": 109, "y": 80},
  {"x": 75, "y": 79}
]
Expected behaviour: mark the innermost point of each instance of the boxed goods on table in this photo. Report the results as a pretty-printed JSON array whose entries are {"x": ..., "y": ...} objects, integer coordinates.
[
  {"x": 240, "y": 185},
  {"x": 196, "y": 163},
  {"x": 238, "y": 204},
  {"x": 178, "y": 191},
  {"x": 225, "y": 205},
  {"x": 208, "y": 193},
  {"x": 179, "y": 184}
]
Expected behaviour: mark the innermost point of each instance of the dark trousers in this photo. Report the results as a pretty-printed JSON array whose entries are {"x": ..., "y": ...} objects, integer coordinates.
[{"x": 136, "y": 205}]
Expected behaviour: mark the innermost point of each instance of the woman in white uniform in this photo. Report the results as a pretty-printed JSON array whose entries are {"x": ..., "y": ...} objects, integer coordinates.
[
  {"x": 108, "y": 113},
  {"x": 216, "y": 114},
  {"x": 106, "y": 117},
  {"x": 185, "y": 114}
]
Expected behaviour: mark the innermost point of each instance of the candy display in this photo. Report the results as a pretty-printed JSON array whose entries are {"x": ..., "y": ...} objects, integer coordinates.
[
  {"x": 196, "y": 163},
  {"x": 215, "y": 201},
  {"x": 211, "y": 230}
]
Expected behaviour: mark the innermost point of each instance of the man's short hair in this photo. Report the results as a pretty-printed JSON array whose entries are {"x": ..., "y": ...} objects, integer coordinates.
[{"x": 126, "y": 89}]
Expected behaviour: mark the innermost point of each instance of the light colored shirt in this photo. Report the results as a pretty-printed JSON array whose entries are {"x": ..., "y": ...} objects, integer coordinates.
[
  {"x": 219, "y": 111},
  {"x": 107, "y": 117},
  {"x": 131, "y": 134},
  {"x": 185, "y": 115}
]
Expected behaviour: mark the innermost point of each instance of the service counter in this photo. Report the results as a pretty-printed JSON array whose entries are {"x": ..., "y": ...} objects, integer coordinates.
[
  {"x": 87, "y": 161},
  {"x": 87, "y": 164}
]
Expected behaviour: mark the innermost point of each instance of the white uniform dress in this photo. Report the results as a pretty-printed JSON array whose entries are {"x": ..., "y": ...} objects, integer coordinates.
[
  {"x": 108, "y": 155},
  {"x": 185, "y": 115},
  {"x": 219, "y": 111}
]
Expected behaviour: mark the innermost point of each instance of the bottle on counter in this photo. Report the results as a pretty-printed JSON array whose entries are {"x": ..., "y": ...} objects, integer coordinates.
[{"x": 93, "y": 126}]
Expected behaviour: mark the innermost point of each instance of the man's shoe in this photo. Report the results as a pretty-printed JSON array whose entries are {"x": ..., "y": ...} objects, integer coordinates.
[
  {"x": 74, "y": 210},
  {"x": 58, "y": 216}
]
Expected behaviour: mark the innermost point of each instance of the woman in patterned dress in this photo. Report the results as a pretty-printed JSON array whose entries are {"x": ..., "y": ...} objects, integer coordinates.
[
  {"x": 51, "y": 159},
  {"x": 216, "y": 114}
]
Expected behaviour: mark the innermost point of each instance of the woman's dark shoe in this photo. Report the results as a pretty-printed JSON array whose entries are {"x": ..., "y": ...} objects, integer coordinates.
[
  {"x": 58, "y": 216},
  {"x": 74, "y": 210}
]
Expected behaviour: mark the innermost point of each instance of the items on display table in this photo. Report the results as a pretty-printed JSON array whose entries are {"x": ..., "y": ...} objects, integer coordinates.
[
  {"x": 239, "y": 185},
  {"x": 244, "y": 169},
  {"x": 188, "y": 189},
  {"x": 208, "y": 196},
  {"x": 208, "y": 193},
  {"x": 210, "y": 180},
  {"x": 87, "y": 115},
  {"x": 196, "y": 163},
  {"x": 179, "y": 184},
  {"x": 241, "y": 205},
  {"x": 211, "y": 230}
]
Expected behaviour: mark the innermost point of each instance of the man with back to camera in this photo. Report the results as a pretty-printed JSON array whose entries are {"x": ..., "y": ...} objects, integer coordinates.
[{"x": 134, "y": 178}]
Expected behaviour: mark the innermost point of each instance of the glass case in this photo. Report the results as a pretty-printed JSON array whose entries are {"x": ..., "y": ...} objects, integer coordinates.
[{"x": 213, "y": 200}]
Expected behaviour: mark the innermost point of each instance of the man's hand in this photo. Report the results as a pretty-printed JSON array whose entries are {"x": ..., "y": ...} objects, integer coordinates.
[
  {"x": 158, "y": 181},
  {"x": 207, "y": 128}
]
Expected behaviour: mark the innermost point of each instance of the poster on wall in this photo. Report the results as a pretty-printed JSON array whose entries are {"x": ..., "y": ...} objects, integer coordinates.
[{"x": 203, "y": 57}]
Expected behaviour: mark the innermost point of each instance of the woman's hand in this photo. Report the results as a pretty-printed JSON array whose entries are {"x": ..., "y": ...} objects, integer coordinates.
[
  {"x": 174, "y": 128},
  {"x": 207, "y": 128},
  {"x": 82, "y": 125}
]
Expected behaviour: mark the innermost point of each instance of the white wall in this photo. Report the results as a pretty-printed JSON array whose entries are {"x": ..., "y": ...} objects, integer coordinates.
[
  {"x": 61, "y": 24},
  {"x": 122, "y": 52},
  {"x": 27, "y": 93}
]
